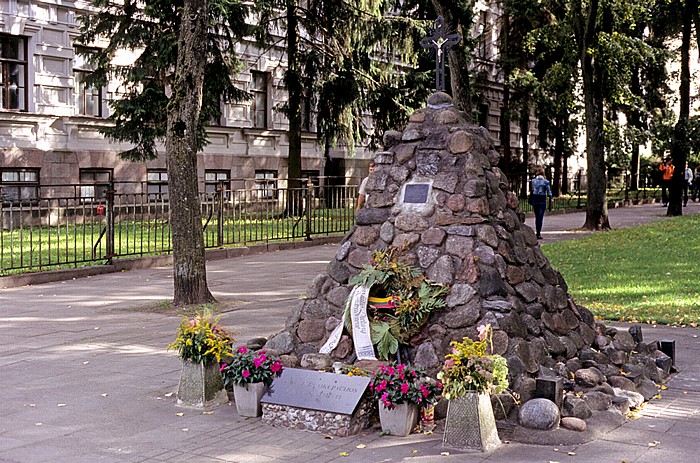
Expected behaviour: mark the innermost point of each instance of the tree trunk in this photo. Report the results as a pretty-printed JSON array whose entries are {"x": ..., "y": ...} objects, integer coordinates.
[
  {"x": 586, "y": 29},
  {"x": 189, "y": 265},
  {"x": 294, "y": 90},
  {"x": 559, "y": 180},
  {"x": 679, "y": 148}
]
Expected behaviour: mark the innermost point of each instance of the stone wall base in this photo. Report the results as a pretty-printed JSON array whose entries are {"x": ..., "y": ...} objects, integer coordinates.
[{"x": 334, "y": 424}]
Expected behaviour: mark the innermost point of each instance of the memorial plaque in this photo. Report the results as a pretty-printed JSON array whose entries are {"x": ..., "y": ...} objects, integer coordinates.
[
  {"x": 416, "y": 193},
  {"x": 314, "y": 390}
]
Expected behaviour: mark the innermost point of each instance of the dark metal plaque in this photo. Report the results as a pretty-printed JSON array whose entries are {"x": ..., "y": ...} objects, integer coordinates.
[
  {"x": 416, "y": 193},
  {"x": 314, "y": 390}
]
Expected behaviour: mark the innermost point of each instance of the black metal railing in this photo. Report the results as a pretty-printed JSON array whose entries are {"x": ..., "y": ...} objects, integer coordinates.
[
  {"x": 574, "y": 195},
  {"x": 63, "y": 229}
]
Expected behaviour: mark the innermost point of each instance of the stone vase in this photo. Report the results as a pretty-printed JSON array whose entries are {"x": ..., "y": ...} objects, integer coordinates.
[
  {"x": 201, "y": 385},
  {"x": 470, "y": 423},
  {"x": 398, "y": 421},
  {"x": 248, "y": 398}
]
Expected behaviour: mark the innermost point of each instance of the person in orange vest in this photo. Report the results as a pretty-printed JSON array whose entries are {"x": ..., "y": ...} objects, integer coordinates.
[{"x": 667, "y": 169}]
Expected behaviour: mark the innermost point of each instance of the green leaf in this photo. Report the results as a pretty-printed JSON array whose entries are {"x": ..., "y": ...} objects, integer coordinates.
[{"x": 386, "y": 343}]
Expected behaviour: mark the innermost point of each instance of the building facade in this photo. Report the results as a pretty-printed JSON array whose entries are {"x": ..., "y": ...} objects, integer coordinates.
[{"x": 50, "y": 120}]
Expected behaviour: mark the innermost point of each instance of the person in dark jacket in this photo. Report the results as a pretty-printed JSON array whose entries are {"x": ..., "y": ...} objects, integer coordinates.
[{"x": 540, "y": 192}]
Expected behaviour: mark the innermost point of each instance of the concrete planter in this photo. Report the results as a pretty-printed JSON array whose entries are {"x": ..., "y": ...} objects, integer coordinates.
[
  {"x": 248, "y": 398},
  {"x": 399, "y": 421},
  {"x": 470, "y": 423},
  {"x": 201, "y": 385}
]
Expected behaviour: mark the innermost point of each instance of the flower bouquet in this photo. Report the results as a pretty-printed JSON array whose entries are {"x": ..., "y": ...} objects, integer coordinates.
[
  {"x": 400, "y": 389},
  {"x": 401, "y": 299},
  {"x": 250, "y": 373},
  {"x": 251, "y": 367},
  {"x": 201, "y": 343},
  {"x": 201, "y": 339},
  {"x": 469, "y": 368},
  {"x": 469, "y": 375}
]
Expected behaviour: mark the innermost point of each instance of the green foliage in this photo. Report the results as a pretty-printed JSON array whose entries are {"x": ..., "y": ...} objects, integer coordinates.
[
  {"x": 644, "y": 274},
  {"x": 386, "y": 343},
  {"x": 150, "y": 29},
  {"x": 201, "y": 339}
]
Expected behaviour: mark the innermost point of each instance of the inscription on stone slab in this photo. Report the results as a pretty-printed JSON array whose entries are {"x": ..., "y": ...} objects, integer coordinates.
[
  {"x": 314, "y": 390},
  {"x": 416, "y": 193}
]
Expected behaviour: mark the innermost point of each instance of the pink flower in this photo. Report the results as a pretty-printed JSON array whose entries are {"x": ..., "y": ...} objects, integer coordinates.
[
  {"x": 381, "y": 386},
  {"x": 385, "y": 399},
  {"x": 245, "y": 373},
  {"x": 390, "y": 371},
  {"x": 483, "y": 330},
  {"x": 258, "y": 361},
  {"x": 221, "y": 368},
  {"x": 400, "y": 368},
  {"x": 404, "y": 388},
  {"x": 275, "y": 367},
  {"x": 424, "y": 390},
  {"x": 242, "y": 350},
  {"x": 449, "y": 363}
]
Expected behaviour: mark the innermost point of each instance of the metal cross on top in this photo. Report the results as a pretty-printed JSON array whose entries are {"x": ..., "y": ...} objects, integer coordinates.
[{"x": 440, "y": 41}]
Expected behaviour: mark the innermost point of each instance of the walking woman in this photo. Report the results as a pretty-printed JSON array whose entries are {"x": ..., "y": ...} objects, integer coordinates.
[{"x": 539, "y": 193}]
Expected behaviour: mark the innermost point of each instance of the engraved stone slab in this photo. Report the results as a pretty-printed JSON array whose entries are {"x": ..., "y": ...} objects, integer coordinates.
[{"x": 314, "y": 390}]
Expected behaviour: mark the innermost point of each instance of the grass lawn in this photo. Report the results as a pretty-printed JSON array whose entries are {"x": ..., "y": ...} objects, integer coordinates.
[{"x": 647, "y": 274}]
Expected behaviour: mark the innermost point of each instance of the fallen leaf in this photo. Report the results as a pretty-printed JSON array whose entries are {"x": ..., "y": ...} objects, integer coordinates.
[
  {"x": 343, "y": 454},
  {"x": 414, "y": 451},
  {"x": 169, "y": 394},
  {"x": 207, "y": 413},
  {"x": 61, "y": 405},
  {"x": 328, "y": 437},
  {"x": 654, "y": 443},
  {"x": 38, "y": 424},
  {"x": 179, "y": 414},
  {"x": 685, "y": 392},
  {"x": 445, "y": 454},
  {"x": 663, "y": 387},
  {"x": 103, "y": 395},
  {"x": 571, "y": 454},
  {"x": 360, "y": 446},
  {"x": 185, "y": 429},
  {"x": 32, "y": 405},
  {"x": 85, "y": 363}
]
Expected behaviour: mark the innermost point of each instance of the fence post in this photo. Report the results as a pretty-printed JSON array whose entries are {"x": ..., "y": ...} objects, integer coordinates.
[
  {"x": 220, "y": 214},
  {"x": 110, "y": 222},
  {"x": 307, "y": 209},
  {"x": 578, "y": 205}
]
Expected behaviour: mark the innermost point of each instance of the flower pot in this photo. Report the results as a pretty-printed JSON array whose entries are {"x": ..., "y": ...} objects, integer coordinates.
[
  {"x": 201, "y": 385},
  {"x": 398, "y": 421},
  {"x": 470, "y": 423},
  {"x": 248, "y": 398}
]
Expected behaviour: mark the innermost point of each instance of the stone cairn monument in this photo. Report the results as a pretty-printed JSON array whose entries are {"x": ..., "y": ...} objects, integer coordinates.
[{"x": 438, "y": 192}]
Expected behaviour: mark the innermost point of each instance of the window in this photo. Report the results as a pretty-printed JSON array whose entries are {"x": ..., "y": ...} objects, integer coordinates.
[
  {"x": 213, "y": 179},
  {"x": 94, "y": 183},
  {"x": 88, "y": 98},
  {"x": 258, "y": 109},
  {"x": 19, "y": 184},
  {"x": 266, "y": 184},
  {"x": 157, "y": 185},
  {"x": 13, "y": 79}
]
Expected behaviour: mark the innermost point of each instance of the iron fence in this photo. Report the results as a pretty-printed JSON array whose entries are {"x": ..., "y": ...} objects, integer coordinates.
[
  {"x": 62, "y": 228},
  {"x": 573, "y": 192}
]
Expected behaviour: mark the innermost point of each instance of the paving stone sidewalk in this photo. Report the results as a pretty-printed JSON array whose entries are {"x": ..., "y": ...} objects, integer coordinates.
[{"x": 86, "y": 377}]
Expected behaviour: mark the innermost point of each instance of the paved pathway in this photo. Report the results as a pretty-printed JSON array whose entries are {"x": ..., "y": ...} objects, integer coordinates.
[{"x": 85, "y": 376}]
